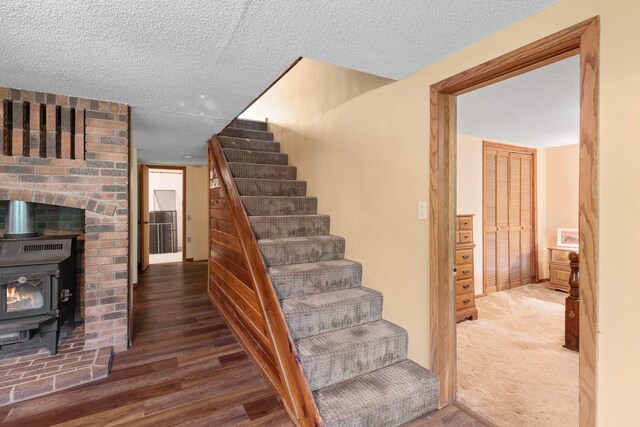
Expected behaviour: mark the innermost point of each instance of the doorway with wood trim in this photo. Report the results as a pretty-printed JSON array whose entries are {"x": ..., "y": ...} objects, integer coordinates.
[
  {"x": 163, "y": 214},
  {"x": 582, "y": 39}
]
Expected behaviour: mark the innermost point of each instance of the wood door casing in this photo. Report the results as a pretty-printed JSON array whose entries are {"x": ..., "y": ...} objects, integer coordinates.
[
  {"x": 509, "y": 216},
  {"x": 583, "y": 39},
  {"x": 144, "y": 217}
]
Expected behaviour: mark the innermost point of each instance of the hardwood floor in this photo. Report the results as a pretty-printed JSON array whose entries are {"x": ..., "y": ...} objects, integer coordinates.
[
  {"x": 185, "y": 367},
  {"x": 449, "y": 416}
]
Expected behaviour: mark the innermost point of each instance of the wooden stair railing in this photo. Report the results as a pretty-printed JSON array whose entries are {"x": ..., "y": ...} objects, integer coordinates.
[
  {"x": 241, "y": 290},
  {"x": 572, "y": 307}
]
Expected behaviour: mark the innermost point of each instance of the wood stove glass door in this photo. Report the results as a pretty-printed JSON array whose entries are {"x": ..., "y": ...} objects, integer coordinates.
[
  {"x": 23, "y": 296},
  {"x": 27, "y": 293}
]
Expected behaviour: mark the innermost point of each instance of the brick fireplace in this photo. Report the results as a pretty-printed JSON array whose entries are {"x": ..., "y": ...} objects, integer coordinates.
[{"x": 71, "y": 156}]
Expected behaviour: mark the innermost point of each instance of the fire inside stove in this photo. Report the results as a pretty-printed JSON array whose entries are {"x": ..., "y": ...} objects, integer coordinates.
[{"x": 23, "y": 296}]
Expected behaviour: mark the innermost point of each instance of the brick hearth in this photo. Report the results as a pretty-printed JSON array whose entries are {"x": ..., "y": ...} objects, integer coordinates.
[{"x": 34, "y": 373}]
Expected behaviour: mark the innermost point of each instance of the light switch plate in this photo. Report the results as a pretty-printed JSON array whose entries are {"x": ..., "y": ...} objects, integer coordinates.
[{"x": 422, "y": 210}]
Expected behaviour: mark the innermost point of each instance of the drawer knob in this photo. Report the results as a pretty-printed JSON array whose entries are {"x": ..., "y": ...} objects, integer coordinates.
[
  {"x": 466, "y": 286},
  {"x": 465, "y": 271},
  {"x": 466, "y": 301},
  {"x": 465, "y": 256}
]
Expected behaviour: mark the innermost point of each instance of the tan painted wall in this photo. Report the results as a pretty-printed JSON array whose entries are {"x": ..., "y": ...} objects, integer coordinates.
[
  {"x": 367, "y": 159},
  {"x": 197, "y": 225},
  {"x": 562, "y": 189},
  {"x": 304, "y": 88}
]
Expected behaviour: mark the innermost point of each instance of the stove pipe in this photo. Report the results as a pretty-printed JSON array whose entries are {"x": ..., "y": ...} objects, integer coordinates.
[{"x": 20, "y": 221}]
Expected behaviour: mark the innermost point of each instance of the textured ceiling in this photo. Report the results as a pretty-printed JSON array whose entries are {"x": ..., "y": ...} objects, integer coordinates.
[
  {"x": 189, "y": 67},
  {"x": 539, "y": 109}
]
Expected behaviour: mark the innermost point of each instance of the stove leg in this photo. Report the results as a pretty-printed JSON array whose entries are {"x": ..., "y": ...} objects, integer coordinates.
[{"x": 50, "y": 340}]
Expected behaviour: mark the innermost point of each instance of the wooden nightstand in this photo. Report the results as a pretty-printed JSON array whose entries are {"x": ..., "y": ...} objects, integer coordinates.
[{"x": 559, "y": 268}]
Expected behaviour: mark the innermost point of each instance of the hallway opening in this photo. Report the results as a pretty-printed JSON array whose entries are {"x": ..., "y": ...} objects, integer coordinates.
[{"x": 166, "y": 215}]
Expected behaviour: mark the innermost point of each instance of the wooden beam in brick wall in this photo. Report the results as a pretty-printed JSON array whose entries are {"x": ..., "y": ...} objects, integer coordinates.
[
  {"x": 6, "y": 111},
  {"x": 20, "y": 128}
]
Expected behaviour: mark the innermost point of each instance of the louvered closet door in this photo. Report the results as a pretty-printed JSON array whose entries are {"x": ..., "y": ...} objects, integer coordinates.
[
  {"x": 490, "y": 222},
  {"x": 515, "y": 175},
  {"x": 502, "y": 221},
  {"x": 526, "y": 219},
  {"x": 496, "y": 220},
  {"x": 508, "y": 219}
]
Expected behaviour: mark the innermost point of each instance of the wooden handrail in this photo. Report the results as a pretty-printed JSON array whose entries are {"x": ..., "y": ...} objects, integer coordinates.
[
  {"x": 572, "y": 305},
  {"x": 241, "y": 289}
]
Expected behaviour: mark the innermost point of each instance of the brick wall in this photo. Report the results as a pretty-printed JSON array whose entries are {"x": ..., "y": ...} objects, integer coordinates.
[{"x": 96, "y": 182}]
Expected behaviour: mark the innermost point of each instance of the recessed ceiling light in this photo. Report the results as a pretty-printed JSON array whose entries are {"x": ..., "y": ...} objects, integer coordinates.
[{"x": 187, "y": 156}]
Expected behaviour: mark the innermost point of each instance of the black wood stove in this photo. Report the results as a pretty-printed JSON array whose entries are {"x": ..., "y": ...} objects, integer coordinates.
[{"x": 37, "y": 280}]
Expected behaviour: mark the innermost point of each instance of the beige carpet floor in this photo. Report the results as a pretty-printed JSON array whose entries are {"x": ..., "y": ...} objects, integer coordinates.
[{"x": 512, "y": 368}]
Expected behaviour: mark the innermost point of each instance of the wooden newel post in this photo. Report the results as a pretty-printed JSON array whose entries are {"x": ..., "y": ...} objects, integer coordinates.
[{"x": 571, "y": 319}]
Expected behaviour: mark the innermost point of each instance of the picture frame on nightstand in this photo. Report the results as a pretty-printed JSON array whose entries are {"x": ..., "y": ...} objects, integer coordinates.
[{"x": 568, "y": 237}]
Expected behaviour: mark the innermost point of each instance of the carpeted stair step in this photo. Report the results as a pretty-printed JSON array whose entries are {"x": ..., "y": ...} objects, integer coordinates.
[
  {"x": 269, "y": 227},
  {"x": 248, "y": 156},
  {"x": 296, "y": 250},
  {"x": 249, "y": 144},
  {"x": 315, "y": 314},
  {"x": 314, "y": 278},
  {"x": 261, "y": 205},
  {"x": 247, "y": 133},
  {"x": 386, "y": 397},
  {"x": 341, "y": 355},
  {"x": 254, "y": 170},
  {"x": 270, "y": 187},
  {"x": 249, "y": 124}
]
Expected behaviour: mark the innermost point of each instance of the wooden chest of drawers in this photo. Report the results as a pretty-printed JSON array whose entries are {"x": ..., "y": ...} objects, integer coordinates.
[{"x": 465, "y": 296}]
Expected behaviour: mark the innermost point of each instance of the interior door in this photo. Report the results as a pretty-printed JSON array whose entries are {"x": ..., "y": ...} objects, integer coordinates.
[
  {"x": 515, "y": 213},
  {"x": 526, "y": 219},
  {"x": 490, "y": 236},
  {"x": 508, "y": 218},
  {"x": 144, "y": 217},
  {"x": 496, "y": 220}
]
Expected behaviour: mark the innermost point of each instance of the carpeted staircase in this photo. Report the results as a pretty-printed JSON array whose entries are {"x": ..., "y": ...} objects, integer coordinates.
[{"x": 356, "y": 362}]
